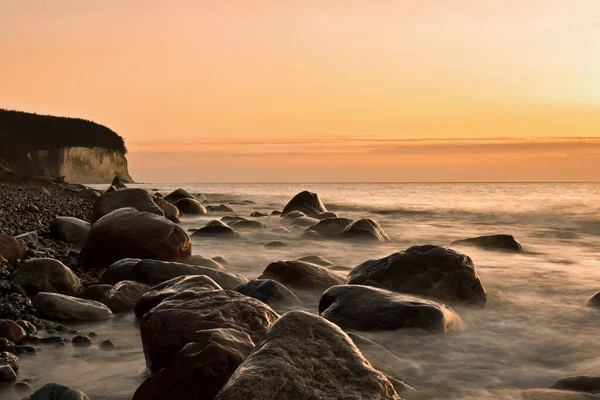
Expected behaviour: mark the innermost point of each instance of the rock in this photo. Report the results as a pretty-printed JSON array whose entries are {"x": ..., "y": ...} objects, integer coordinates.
[
  {"x": 325, "y": 215},
  {"x": 128, "y": 233},
  {"x": 111, "y": 189},
  {"x": 275, "y": 213},
  {"x": 365, "y": 229},
  {"x": 190, "y": 206},
  {"x": 292, "y": 215},
  {"x": 220, "y": 260},
  {"x": 60, "y": 307},
  {"x": 216, "y": 228},
  {"x": 304, "y": 221},
  {"x": 301, "y": 275},
  {"x": 81, "y": 341},
  {"x": 219, "y": 208},
  {"x": 22, "y": 386},
  {"x": 331, "y": 228},
  {"x": 492, "y": 242},
  {"x": 7, "y": 374},
  {"x": 172, "y": 324},
  {"x": 258, "y": 214},
  {"x": 96, "y": 292},
  {"x": 169, "y": 210},
  {"x": 123, "y": 296},
  {"x": 249, "y": 225},
  {"x": 323, "y": 262},
  {"x": 118, "y": 182},
  {"x": 12, "y": 331},
  {"x": 371, "y": 309},
  {"x": 268, "y": 291},
  {"x": 9, "y": 359},
  {"x": 70, "y": 230},
  {"x": 11, "y": 248},
  {"x": 138, "y": 199},
  {"x": 594, "y": 301},
  {"x": 88, "y": 194},
  {"x": 306, "y": 202},
  {"x": 274, "y": 244},
  {"x": 200, "y": 369},
  {"x": 178, "y": 195},
  {"x": 27, "y": 326},
  {"x": 203, "y": 262},
  {"x": 306, "y": 357},
  {"x": 163, "y": 291},
  {"x": 584, "y": 383},
  {"x": 153, "y": 272},
  {"x": 431, "y": 271},
  {"x": 47, "y": 275},
  {"x": 282, "y": 229},
  {"x": 232, "y": 218},
  {"x": 310, "y": 234},
  {"x": 29, "y": 238},
  {"x": 54, "y": 391},
  {"x": 107, "y": 345}
]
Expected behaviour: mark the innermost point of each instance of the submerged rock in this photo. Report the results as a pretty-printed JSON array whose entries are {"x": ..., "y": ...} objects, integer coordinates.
[
  {"x": 178, "y": 195},
  {"x": 331, "y": 228},
  {"x": 54, "y": 391},
  {"x": 70, "y": 230},
  {"x": 307, "y": 202},
  {"x": 249, "y": 225},
  {"x": 268, "y": 291},
  {"x": 66, "y": 308},
  {"x": 323, "y": 262},
  {"x": 123, "y": 296},
  {"x": 139, "y": 199},
  {"x": 258, "y": 214},
  {"x": 365, "y": 229},
  {"x": 190, "y": 206},
  {"x": 292, "y": 215},
  {"x": 7, "y": 374},
  {"x": 47, "y": 275},
  {"x": 583, "y": 383},
  {"x": 492, "y": 242},
  {"x": 594, "y": 301},
  {"x": 304, "y": 221},
  {"x": 202, "y": 261},
  {"x": 274, "y": 244},
  {"x": 232, "y": 218},
  {"x": 431, "y": 271},
  {"x": 219, "y": 208},
  {"x": 302, "y": 275},
  {"x": 371, "y": 309},
  {"x": 306, "y": 357},
  {"x": 216, "y": 228},
  {"x": 171, "y": 212},
  {"x": 325, "y": 215}
]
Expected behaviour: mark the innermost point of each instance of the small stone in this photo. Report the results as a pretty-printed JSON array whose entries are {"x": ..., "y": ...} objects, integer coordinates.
[
  {"x": 82, "y": 341},
  {"x": 107, "y": 345},
  {"x": 62, "y": 328},
  {"x": 92, "y": 335},
  {"x": 51, "y": 339},
  {"x": 22, "y": 386},
  {"x": 7, "y": 374}
]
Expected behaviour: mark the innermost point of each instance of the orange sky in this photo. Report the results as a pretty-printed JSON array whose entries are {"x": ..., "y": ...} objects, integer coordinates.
[{"x": 329, "y": 90}]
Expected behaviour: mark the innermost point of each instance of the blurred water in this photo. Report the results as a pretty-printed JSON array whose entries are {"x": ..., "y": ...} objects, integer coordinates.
[{"x": 534, "y": 330}]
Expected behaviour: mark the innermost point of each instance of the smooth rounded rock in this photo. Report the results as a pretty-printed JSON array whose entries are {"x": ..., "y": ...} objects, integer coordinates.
[
  {"x": 47, "y": 275},
  {"x": 12, "y": 331},
  {"x": 248, "y": 225},
  {"x": 169, "y": 210},
  {"x": 365, "y": 230},
  {"x": 274, "y": 244},
  {"x": 307, "y": 202},
  {"x": 268, "y": 291},
  {"x": 583, "y": 383},
  {"x": 594, "y": 301},
  {"x": 96, "y": 292},
  {"x": 492, "y": 242},
  {"x": 331, "y": 228},
  {"x": 66, "y": 308},
  {"x": 54, "y": 391},
  {"x": 178, "y": 195},
  {"x": 139, "y": 199},
  {"x": 70, "y": 230},
  {"x": 219, "y": 208},
  {"x": 216, "y": 228},
  {"x": 124, "y": 295},
  {"x": 302, "y": 275},
  {"x": 11, "y": 248},
  {"x": 190, "y": 206}
]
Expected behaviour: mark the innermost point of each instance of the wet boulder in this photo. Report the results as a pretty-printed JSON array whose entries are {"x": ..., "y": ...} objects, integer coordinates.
[
  {"x": 275, "y": 213},
  {"x": 431, "y": 271},
  {"x": 170, "y": 288},
  {"x": 54, "y": 391},
  {"x": 306, "y": 357},
  {"x": 47, "y": 275},
  {"x": 219, "y": 208},
  {"x": 366, "y": 230},
  {"x": 307, "y": 202},
  {"x": 304, "y": 221},
  {"x": 56, "y": 306},
  {"x": 127, "y": 233},
  {"x": 249, "y": 225},
  {"x": 200, "y": 369},
  {"x": 331, "y": 228},
  {"x": 594, "y": 301},
  {"x": 367, "y": 308},
  {"x": 178, "y": 195},
  {"x": 73, "y": 231},
  {"x": 172, "y": 324},
  {"x": 12, "y": 331},
  {"x": 583, "y": 383},
  {"x": 11, "y": 248},
  {"x": 123, "y": 297},
  {"x": 268, "y": 291},
  {"x": 302, "y": 275},
  {"x": 492, "y": 242},
  {"x": 138, "y": 199},
  {"x": 96, "y": 292},
  {"x": 190, "y": 206},
  {"x": 169, "y": 210},
  {"x": 216, "y": 228}
]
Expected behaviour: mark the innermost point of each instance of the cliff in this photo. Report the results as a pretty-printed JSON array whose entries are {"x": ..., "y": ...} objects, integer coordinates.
[{"x": 47, "y": 146}]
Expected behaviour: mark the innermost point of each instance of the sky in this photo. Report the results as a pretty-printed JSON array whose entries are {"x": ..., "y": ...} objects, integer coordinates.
[{"x": 319, "y": 90}]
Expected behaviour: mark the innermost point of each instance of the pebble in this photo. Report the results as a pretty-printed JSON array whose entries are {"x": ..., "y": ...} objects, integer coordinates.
[{"x": 82, "y": 341}]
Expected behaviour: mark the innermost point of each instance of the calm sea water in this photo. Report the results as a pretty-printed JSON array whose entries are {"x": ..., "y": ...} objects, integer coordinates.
[{"x": 535, "y": 329}]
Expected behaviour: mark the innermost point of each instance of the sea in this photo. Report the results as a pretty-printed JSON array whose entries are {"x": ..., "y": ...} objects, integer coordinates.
[{"x": 534, "y": 330}]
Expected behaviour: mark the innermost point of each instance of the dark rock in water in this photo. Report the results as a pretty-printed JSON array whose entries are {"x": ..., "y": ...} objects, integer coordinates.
[
  {"x": 310, "y": 234},
  {"x": 96, "y": 292},
  {"x": 190, "y": 206},
  {"x": 258, "y": 214},
  {"x": 11, "y": 248},
  {"x": 365, "y": 229},
  {"x": 331, "y": 228},
  {"x": 200, "y": 369},
  {"x": 153, "y": 272},
  {"x": 221, "y": 260},
  {"x": 325, "y": 215},
  {"x": 249, "y": 225},
  {"x": 23, "y": 386},
  {"x": 111, "y": 189},
  {"x": 12, "y": 331},
  {"x": 492, "y": 242},
  {"x": 47, "y": 275},
  {"x": 292, "y": 215},
  {"x": 584, "y": 383},
  {"x": 432, "y": 271},
  {"x": 202, "y": 261},
  {"x": 594, "y": 301},
  {"x": 107, "y": 345},
  {"x": 216, "y": 228},
  {"x": 178, "y": 195},
  {"x": 172, "y": 324},
  {"x": 81, "y": 341},
  {"x": 306, "y": 202},
  {"x": 118, "y": 183},
  {"x": 70, "y": 230},
  {"x": 138, "y": 199},
  {"x": 282, "y": 229},
  {"x": 306, "y": 357},
  {"x": 60, "y": 307},
  {"x": 169, "y": 210},
  {"x": 232, "y": 218},
  {"x": 54, "y": 391},
  {"x": 123, "y": 296},
  {"x": 301, "y": 275},
  {"x": 275, "y": 212},
  {"x": 29, "y": 238},
  {"x": 268, "y": 291},
  {"x": 371, "y": 309},
  {"x": 323, "y": 262},
  {"x": 172, "y": 287},
  {"x": 128, "y": 233},
  {"x": 219, "y": 208},
  {"x": 275, "y": 244},
  {"x": 7, "y": 374},
  {"x": 304, "y": 221}
]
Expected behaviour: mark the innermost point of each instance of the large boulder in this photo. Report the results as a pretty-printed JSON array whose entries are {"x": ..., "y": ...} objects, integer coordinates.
[
  {"x": 492, "y": 242},
  {"x": 178, "y": 195},
  {"x": 12, "y": 331},
  {"x": 583, "y": 383},
  {"x": 73, "y": 231},
  {"x": 268, "y": 291},
  {"x": 306, "y": 357},
  {"x": 128, "y": 233},
  {"x": 153, "y": 272},
  {"x": 139, "y": 199},
  {"x": 123, "y": 297},
  {"x": 431, "y": 271},
  {"x": 367, "y": 308},
  {"x": 56, "y": 306},
  {"x": 331, "y": 228},
  {"x": 200, "y": 369},
  {"x": 54, "y": 391},
  {"x": 190, "y": 206},
  {"x": 170, "y": 288},
  {"x": 169, "y": 210},
  {"x": 365, "y": 229},
  {"x": 172, "y": 324},
  {"x": 594, "y": 301},
  {"x": 307, "y": 202},
  {"x": 47, "y": 275},
  {"x": 216, "y": 228},
  {"x": 302, "y": 275},
  {"x": 11, "y": 248}
]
